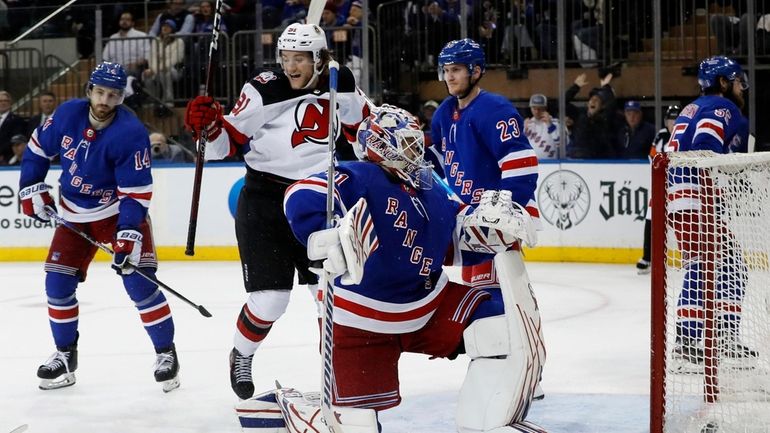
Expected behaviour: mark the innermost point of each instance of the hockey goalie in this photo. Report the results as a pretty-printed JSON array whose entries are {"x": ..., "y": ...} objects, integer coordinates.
[{"x": 391, "y": 294}]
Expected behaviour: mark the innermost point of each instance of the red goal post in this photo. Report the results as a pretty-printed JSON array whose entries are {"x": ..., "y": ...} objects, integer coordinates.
[{"x": 710, "y": 303}]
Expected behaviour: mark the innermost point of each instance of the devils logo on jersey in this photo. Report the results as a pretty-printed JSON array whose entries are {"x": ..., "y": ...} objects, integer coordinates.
[{"x": 311, "y": 123}]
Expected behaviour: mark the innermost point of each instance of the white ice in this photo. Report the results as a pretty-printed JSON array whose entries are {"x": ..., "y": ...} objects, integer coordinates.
[{"x": 596, "y": 378}]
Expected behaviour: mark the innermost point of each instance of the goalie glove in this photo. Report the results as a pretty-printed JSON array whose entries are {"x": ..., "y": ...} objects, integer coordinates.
[
  {"x": 34, "y": 200},
  {"x": 496, "y": 224}
]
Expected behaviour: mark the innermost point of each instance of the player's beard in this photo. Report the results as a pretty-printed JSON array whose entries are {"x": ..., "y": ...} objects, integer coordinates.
[
  {"x": 100, "y": 115},
  {"x": 738, "y": 100}
]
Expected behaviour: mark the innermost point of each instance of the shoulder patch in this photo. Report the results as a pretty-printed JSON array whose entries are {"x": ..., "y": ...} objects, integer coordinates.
[
  {"x": 265, "y": 76},
  {"x": 272, "y": 85},
  {"x": 689, "y": 111}
]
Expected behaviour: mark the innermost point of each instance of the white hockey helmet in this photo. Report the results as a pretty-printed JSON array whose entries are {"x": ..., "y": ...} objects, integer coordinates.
[
  {"x": 302, "y": 37},
  {"x": 392, "y": 138}
]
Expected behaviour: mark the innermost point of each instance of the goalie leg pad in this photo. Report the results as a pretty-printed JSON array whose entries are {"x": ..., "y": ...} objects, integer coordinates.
[
  {"x": 261, "y": 414},
  {"x": 302, "y": 414},
  {"x": 507, "y": 355}
]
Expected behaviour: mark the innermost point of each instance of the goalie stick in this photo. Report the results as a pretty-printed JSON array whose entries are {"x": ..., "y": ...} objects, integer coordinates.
[
  {"x": 328, "y": 295},
  {"x": 201, "y": 145},
  {"x": 51, "y": 213}
]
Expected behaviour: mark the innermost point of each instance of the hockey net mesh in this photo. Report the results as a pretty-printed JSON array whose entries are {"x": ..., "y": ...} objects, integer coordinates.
[{"x": 717, "y": 289}]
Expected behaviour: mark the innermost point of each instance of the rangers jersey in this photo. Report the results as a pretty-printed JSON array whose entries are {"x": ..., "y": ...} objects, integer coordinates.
[
  {"x": 283, "y": 131},
  {"x": 104, "y": 172},
  {"x": 712, "y": 123},
  {"x": 482, "y": 147},
  {"x": 415, "y": 231}
]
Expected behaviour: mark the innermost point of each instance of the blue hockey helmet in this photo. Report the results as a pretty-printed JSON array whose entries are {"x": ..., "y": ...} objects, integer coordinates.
[
  {"x": 392, "y": 138},
  {"x": 712, "y": 68},
  {"x": 461, "y": 52},
  {"x": 109, "y": 74}
]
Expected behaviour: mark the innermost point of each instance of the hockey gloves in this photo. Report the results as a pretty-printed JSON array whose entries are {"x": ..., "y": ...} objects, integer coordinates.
[
  {"x": 204, "y": 114},
  {"x": 325, "y": 245},
  {"x": 128, "y": 251},
  {"x": 496, "y": 224},
  {"x": 34, "y": 199}
]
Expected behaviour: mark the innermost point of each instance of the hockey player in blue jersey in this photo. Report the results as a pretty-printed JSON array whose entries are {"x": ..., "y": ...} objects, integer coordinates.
[
  {"x": 105, "y": 190},
  {"x": 391, "y": 295},
  {"x": 479, "y": 139},
  {"x": 480, "y": 143},
  {"x": 712, "y": 122}
]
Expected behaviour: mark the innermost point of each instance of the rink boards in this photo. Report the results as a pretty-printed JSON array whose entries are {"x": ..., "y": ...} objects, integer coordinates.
[{"x": 590, "y": 212}]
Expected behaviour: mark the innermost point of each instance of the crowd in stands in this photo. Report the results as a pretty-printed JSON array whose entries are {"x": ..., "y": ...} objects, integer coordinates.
[{"x": 175, "y": 48}]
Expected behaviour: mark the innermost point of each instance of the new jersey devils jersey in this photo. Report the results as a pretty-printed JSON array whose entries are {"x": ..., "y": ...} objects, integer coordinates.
[
  {"x": 104, "y": 172},
  {"x": 709, "y": 123},
  {"x": 283, "y": 131},
  {"x": 483, "y": 146},
  {"x": 416, "y": 230}
]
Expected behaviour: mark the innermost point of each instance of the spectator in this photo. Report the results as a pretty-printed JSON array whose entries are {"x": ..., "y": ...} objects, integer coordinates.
[
  {"x": 542, "y": 129},
  {"x": 10, "y": 125},
  {"x": 329, "y": 19},
  {"x": 129, "y": 46},
  {"x": 732, "y": 33},
  {"x": 546, "y": 27},
  {"x": 204, "y": 19},
  {"x": 636, "y": 134},
  {"x": 176, "y": 12},
  {"x": 18, "y": 144},
  {"x": 487, "y": 16},
  {"x": 294, "y": 11},
  {"x": 46, "y": 102},
  {"x": 163, "y": 151},
  {"x": 593, "y": 128},
  {"x": 426, "y": 117},
  {"x": 166, "y": 53},
  {"x": 587, "y": 32}
]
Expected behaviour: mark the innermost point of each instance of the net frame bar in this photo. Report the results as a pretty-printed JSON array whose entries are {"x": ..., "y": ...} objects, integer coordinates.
[{"x": 708, "y": 244}]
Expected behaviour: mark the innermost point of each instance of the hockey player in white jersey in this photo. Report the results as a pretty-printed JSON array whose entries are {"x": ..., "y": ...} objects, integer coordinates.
[
  {"x": 280, "y": 124},
  {"x": 391, "y": 295},
  {"x": 105, "y": 188}
]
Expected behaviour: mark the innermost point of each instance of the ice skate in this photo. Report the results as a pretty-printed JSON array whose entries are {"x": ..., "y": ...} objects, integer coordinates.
[
  {"x": 59, "y": 370},
  {"x": 167, "y": 369},
  {"x": 688, "y": 355},
  {"x": 734, "y": 354},
  {"x": 240, "y": 374},
  {"x": 643, "y": 267}
]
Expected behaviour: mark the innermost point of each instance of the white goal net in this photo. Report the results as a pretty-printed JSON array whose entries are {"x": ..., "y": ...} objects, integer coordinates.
[{"x": 711, "y": 293}]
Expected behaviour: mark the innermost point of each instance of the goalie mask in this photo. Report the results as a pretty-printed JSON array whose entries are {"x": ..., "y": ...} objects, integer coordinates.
[{"x": 392, "y": 138}]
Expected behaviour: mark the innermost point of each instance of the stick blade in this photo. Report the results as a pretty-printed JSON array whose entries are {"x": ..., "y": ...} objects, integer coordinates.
[{"x": 204, "y": 312}]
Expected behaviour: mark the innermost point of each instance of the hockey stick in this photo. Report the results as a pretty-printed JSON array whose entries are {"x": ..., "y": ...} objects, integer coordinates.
[
  {"x": 328, "y": 296},
  {"x": 20, "y": 429},
  {"x": 314, "y": 12},
  {"x": 52, "y": 213},
  {"x": 201, "y": 145}
]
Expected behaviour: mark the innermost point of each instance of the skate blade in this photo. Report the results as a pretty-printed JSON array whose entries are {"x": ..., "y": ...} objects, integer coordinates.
[
  {"x": 539, "y": 393},
  {"x": 681, "y": 366},
  {"x": 63, "y": 381},
  {"x": 171, "y": 384}
]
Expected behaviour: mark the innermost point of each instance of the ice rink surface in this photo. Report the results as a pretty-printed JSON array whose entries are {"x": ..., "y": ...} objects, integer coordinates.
[{"x": 596, "y": 378}]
